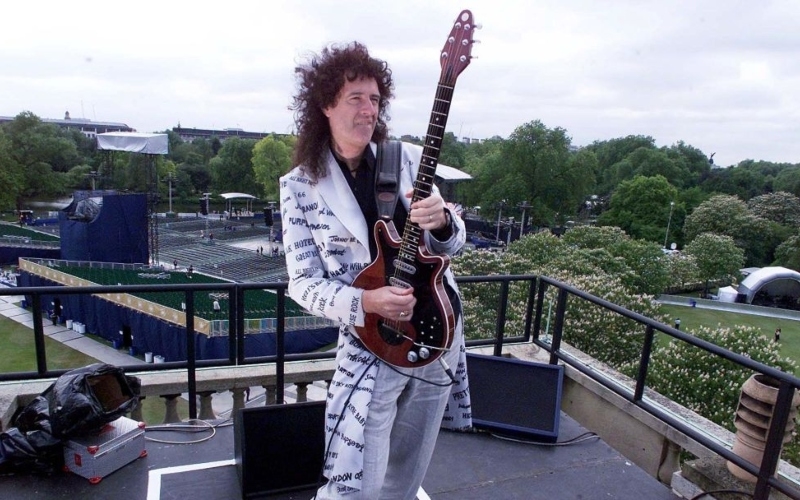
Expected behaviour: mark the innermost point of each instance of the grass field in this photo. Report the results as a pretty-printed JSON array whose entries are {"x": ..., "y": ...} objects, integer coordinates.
[{"x": 19, "y": 356}]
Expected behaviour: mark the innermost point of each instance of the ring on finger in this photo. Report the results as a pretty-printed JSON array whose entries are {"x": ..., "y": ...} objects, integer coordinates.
[
  {"x": 430, "y": 218},
  {"x": 402, "y": 314}
]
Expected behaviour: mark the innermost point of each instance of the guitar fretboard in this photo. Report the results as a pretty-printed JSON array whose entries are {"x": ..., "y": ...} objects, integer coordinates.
[{"x": 427, "y": 168}]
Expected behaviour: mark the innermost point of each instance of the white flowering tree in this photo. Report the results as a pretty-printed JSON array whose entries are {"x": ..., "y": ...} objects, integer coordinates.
[{"x": 708, "y": 384}]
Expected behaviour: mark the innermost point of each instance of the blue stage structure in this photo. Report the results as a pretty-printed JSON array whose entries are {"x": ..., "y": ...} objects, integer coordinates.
[
  {"x": 105, "y": 226},
  {"x": 128, "y": 327}
]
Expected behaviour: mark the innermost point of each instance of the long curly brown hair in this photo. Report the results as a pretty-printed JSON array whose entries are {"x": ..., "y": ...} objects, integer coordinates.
[{"x": 319, "y": 82}]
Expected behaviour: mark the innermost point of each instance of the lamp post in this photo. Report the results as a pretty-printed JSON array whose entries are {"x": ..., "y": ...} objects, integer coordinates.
[
  {"x": 271, "y": 214},
  {"x": 93, "y": 175},
  {"x": 524, "y": 206},
  {"x": 500, "y": 206},
  {"x": 669, "y": 220},
  {"x": 170, "y": 177},
  {"x": 208, "y": 211}
]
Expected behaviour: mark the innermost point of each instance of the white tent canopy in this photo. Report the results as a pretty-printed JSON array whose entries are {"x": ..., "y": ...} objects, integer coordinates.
[
  {"x": 780, "y": 280},
  {"x": 134, "y": 142},
  {"x": 451, "y": 174},
  {"x": 232, "y": 196}
]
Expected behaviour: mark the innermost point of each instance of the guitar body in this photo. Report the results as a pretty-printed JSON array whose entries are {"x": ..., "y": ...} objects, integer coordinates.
[{"x": 415, "y": 343}]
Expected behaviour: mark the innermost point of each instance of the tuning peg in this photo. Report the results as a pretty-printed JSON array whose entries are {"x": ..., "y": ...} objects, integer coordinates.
[
  {"x": 479, "y": 26},
  {"x": 476, "y": 41}
]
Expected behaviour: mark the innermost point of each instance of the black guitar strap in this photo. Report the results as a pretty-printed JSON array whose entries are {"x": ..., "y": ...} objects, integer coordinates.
[{"x": 387, "y": 178}]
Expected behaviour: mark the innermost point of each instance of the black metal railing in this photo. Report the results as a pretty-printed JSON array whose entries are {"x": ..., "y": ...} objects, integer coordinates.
[{"x": 537, "y": 287}]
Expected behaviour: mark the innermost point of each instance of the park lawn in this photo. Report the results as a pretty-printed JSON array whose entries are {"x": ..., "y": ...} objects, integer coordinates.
[
  {"x": 19, "y": 355},
  {"x": 19, "y": 352},
  {"x": 693, "y": 317}
]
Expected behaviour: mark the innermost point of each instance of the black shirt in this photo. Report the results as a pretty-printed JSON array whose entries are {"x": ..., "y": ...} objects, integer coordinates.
[{"x": 363, "y": 188}]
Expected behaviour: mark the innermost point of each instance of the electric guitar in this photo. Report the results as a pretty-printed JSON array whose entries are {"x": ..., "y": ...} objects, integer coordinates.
[{"x": 406, "y": 262}]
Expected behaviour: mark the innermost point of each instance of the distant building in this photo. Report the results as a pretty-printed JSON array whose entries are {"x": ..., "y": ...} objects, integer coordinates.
[
  {"x": 87, "y": 127},
  {"x": 190, "y": 134}
]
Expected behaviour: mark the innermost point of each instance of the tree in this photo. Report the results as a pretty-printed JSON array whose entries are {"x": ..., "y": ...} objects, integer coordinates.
[
  {"x": 12, "y": 176},
  {"x": 271, "y": 158},
  {"x": 641, "y": 207},
  {"x": 717, "y": 257},
  {"x": 708, "y": 384},
  {"x": 780, "y": 207},
  {"x": 610, "y": 153},
  {"x": 639, "y": 264},
  {"x": 453, "y": 151},
  {"x": 721, "y": 214},
  {"x": 728, "y": 215},
  {"x": 41, "y": 149},
  {"x": 535, "y": 165},
  {"x": 788, "y": 179},
  {"x": 788, "y": 253},
  {"x": 232, "y": 169}
]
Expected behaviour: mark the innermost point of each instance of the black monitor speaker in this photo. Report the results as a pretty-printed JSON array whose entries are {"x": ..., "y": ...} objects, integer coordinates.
[
  {"x": 514, "y": 397},
  {"x": 279, "y": 448}
]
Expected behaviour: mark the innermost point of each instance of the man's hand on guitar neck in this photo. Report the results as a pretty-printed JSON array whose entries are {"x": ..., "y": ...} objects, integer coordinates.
[
  {"x": 429, "y": 213},
  {"x": 391, "y": 302}
]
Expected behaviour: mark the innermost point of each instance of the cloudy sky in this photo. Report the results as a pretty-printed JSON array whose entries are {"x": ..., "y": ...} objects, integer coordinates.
[{"x": 720, "y": 75}]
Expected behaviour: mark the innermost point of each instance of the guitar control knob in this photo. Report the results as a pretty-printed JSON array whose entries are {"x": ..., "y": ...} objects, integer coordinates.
[
  {"x": 412, "y": 357},
  {"x": 424, "y": 353}
]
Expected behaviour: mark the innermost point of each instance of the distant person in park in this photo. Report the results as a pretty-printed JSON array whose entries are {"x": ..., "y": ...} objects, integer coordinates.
[
  {"x": 777, "y": 334},
  {"x": 189, "y": 271}
]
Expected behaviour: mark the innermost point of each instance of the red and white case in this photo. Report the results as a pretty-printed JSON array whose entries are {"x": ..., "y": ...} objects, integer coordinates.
[{"x": 95, "y": 456}]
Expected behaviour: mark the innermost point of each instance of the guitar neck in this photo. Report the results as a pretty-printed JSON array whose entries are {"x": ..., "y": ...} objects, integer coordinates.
[
  {"x": 433, "y": 142},
  {"x": 427, "y": 167}
]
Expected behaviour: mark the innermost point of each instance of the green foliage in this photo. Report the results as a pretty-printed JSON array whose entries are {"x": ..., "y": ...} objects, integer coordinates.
[
  {"x": 728, "y": 215},
  {"x": 708, "y": 384},
  {"x": 591, "y": 268},
  {"x": 788, "y": 253},
  {"x": 480, "y": 300},
  {"x": 232, "y": 169},
  {"x": 42, "y": 151},
  {"x": 780, "y": 207},
  {"x": 717, "y": 257},
  {"x": 641, "y": 207},
  {"x": 682, "y": 270},
  {"x": 601, "y": 333},
  {"x": 272, "y": 157},
  {"x": 535, "y": 165},
  {"x": 12, "y": 175}
]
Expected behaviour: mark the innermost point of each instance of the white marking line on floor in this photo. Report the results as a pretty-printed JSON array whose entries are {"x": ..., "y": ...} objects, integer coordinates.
[{"x": 154, "y": 476}]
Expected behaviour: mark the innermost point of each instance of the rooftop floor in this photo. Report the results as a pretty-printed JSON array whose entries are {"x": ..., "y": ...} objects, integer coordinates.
[{"x": 464, "y": 466}]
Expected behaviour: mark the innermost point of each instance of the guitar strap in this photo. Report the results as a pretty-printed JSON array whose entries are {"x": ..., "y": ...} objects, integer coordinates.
[{"x": 387, "y": 178}]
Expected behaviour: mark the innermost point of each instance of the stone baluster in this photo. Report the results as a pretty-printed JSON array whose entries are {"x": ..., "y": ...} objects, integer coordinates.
[
  {"x": 206, "y": 409},
  {"x": 238, "y": 398},
  {"x": 302, "y": 391},
  {"x": 171, "y": 402},
  {"x": 271, "y": 394}
]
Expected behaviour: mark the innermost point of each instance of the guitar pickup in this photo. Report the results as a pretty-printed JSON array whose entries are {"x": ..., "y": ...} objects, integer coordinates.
[
  {"x": 404, "y": 266},
  {"x": 398, "y": 282}
]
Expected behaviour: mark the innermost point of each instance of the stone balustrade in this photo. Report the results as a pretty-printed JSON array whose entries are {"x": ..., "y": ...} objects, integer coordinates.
[{"x": 170, "y": 384}]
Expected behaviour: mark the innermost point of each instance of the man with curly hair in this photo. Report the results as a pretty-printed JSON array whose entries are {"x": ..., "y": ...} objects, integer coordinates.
[{"x": 382, "y": 421}]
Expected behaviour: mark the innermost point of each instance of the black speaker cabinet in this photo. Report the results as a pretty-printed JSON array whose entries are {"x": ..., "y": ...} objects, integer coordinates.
[
  {"x": 515, "y": 397},
  {"x": 279, "y": 448}
]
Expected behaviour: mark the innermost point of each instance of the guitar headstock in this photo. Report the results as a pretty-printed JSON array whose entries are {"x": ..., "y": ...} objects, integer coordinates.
[{"x": 457, "y": 50}]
